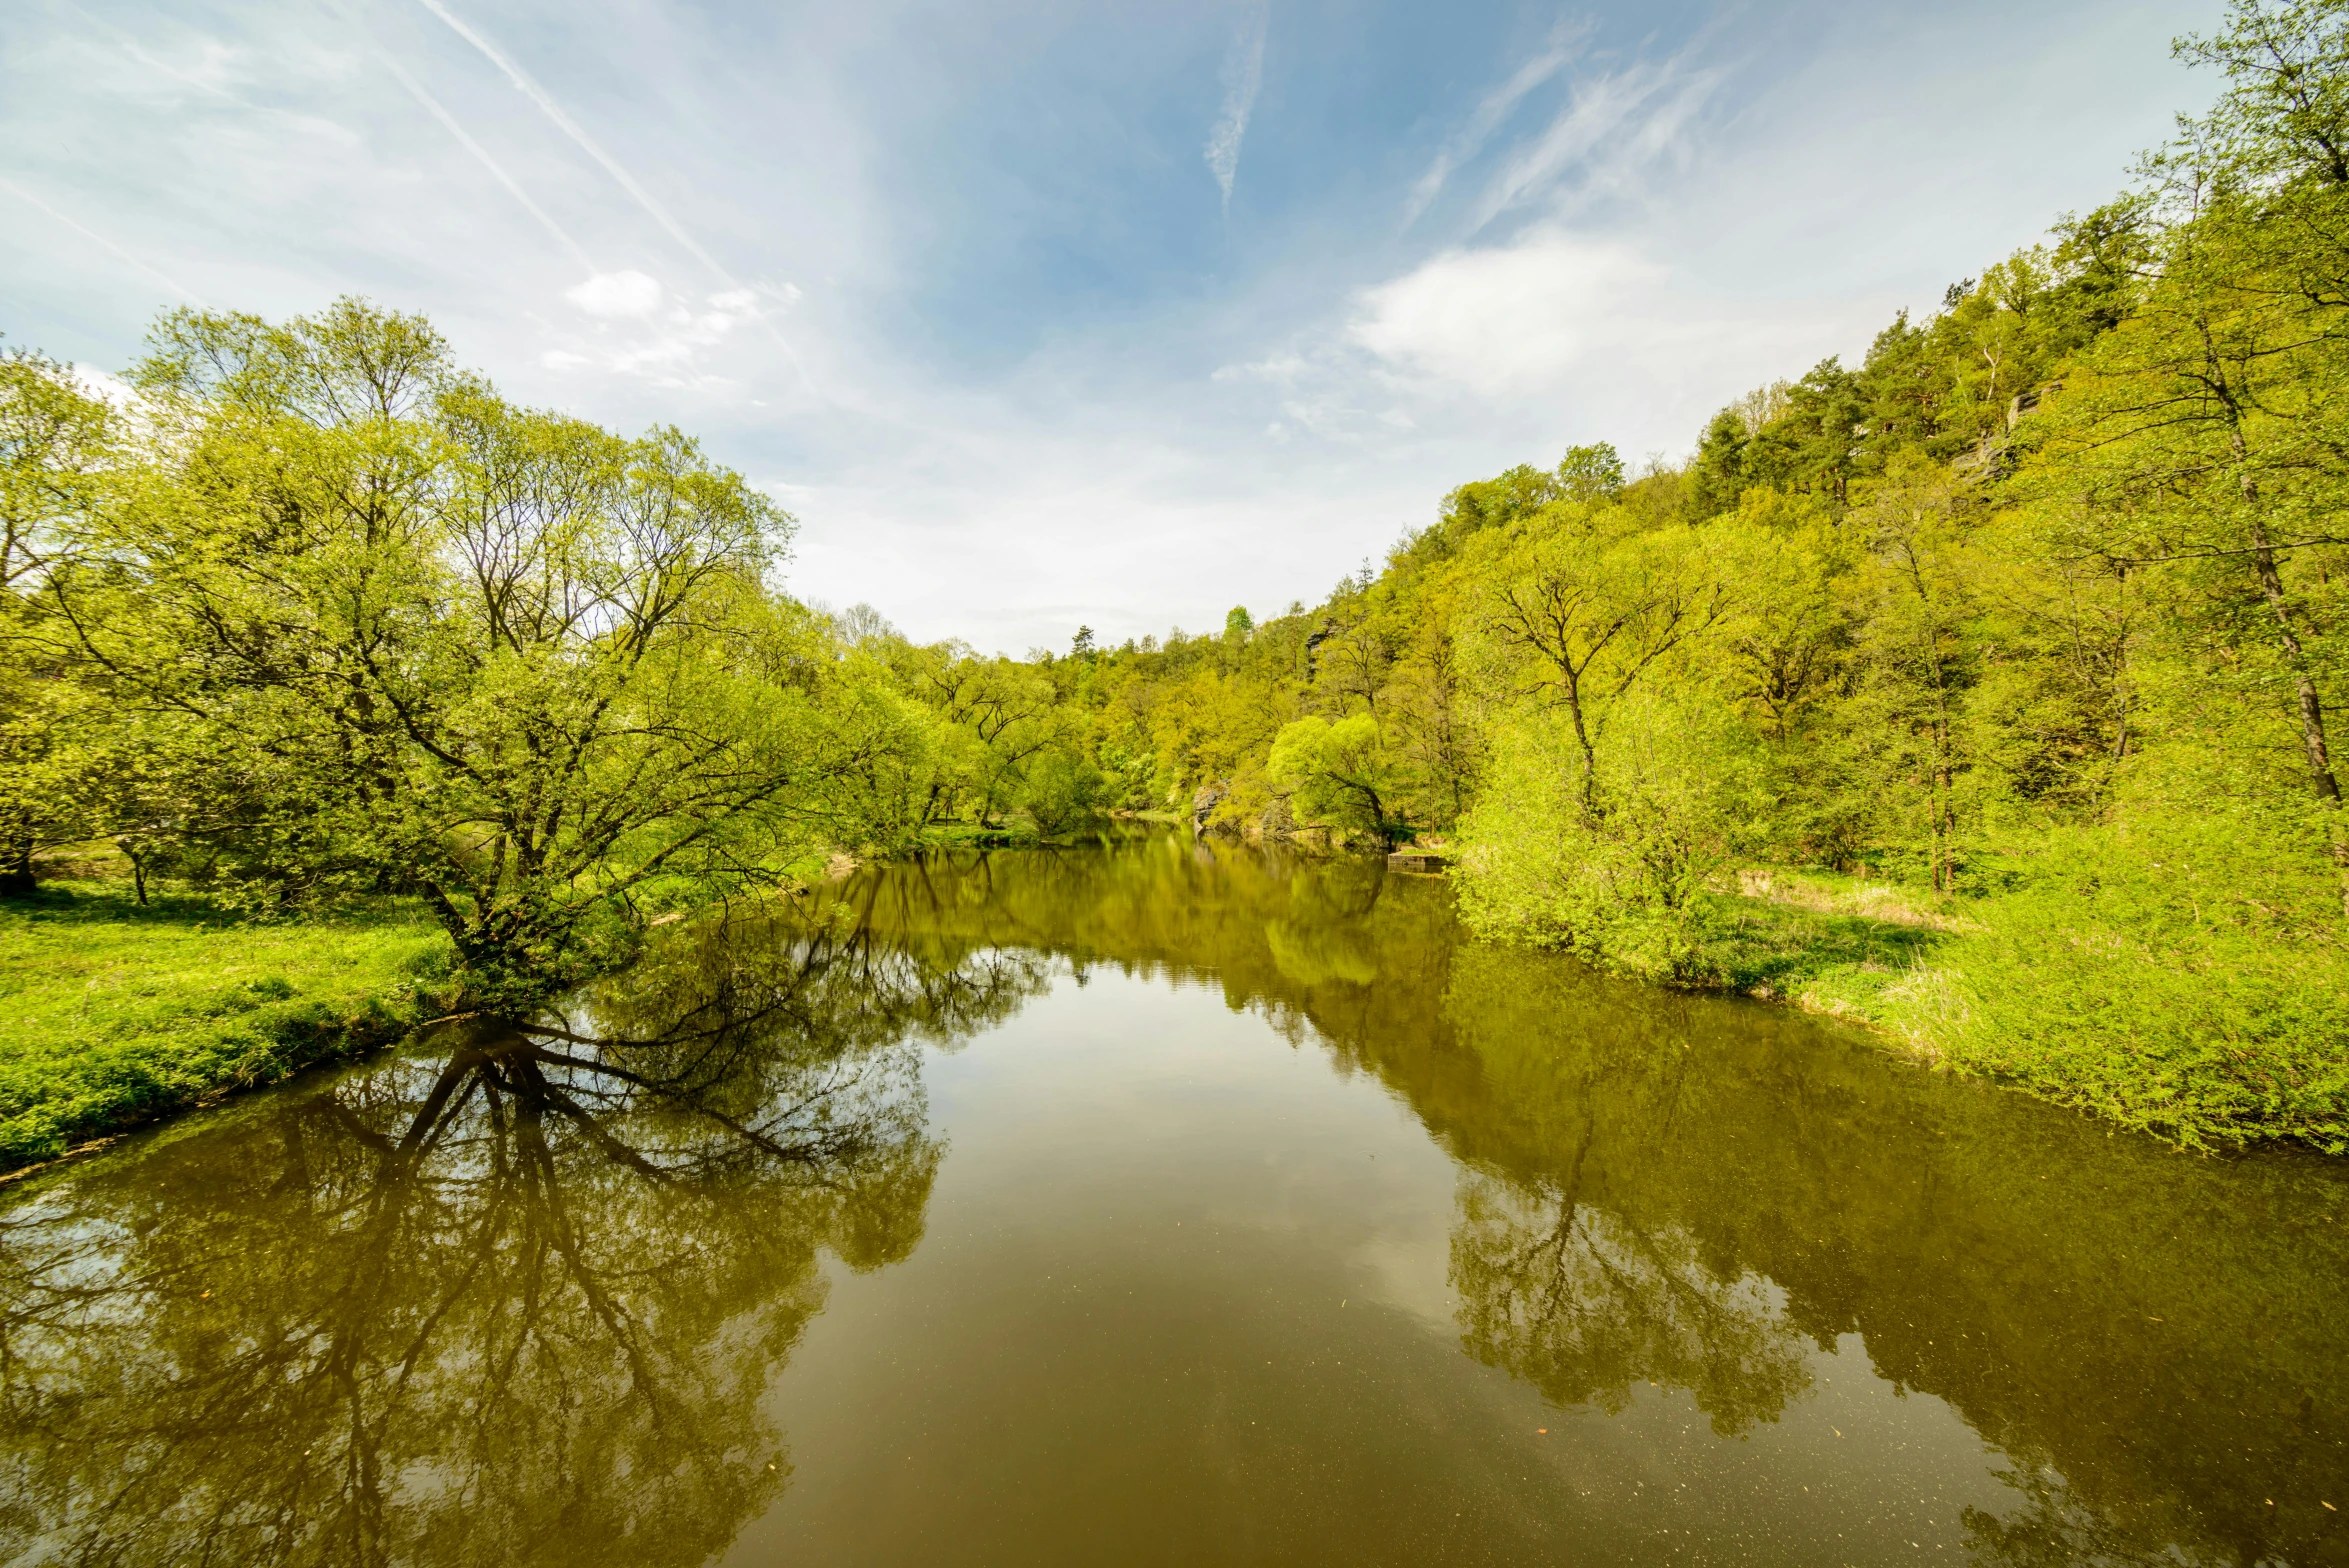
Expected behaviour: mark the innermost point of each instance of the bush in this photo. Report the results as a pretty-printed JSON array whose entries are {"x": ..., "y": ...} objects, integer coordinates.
[
  {"x": 2183, "y": 975},
  {"x": 1623, "y": 886}
]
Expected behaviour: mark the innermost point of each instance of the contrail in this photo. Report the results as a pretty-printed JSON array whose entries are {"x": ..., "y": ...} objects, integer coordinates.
[
  {"x": 611, "y": 166},
  {"x": 481, "y": 154},
  {"x": 1243, "y": 76},
  {"x": 95, "y": 238},
  {"x": 571, "y": 128}
]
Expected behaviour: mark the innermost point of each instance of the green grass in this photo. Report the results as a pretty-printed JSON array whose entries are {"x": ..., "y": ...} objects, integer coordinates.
[
  {"x": 2180, "y": 992},
  {"x": 2146, "y": 1009},
  {"x": 2203, "y": 1033},
  {"x": 112, "y": 1014},
  {"x": 1773, "y": 949}
]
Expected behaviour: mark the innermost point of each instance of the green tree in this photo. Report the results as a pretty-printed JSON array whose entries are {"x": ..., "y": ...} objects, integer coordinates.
[
  {"x": 56, "y": 471},
  {"x": 1340, "y": 774},
  {"x": 522, "y": 666},
  {"x": 1590, "y": 473},
  {"x": 1580, "y": 609},
  {"x": 1718, "y": 475}
]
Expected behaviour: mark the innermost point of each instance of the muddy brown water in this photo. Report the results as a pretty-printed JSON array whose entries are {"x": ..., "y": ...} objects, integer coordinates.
[{"x": 1170, "y": 1204}]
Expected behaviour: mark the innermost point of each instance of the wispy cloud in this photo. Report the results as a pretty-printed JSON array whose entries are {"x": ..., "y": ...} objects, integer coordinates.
[
  {"x": 1495, "y": 107},
  {"x": 1611, "y": 123},
  {"x": 1530, "y": 315},
  {"x": 100, "y": 240},
  {"x": 546, "y": 104},
  {"x": 1243, "y": 78},
  {"x": 448, "y": 121},
  {"x": 210, "y": 76}
]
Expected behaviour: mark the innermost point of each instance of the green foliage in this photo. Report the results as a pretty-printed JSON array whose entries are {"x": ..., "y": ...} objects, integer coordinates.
[
  {"x": 1591, "y": 473},
  {"x": 1624, "y": 884},
  {"x": 2186, "y": 977},
  {"x": 59, "y": 742},
  {"x": 342, "y": 620},
  {"x": 1339, "y": 774},
  {"x": 1064, "y": 794}
]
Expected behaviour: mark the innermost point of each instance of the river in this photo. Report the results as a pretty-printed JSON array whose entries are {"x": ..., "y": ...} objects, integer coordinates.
[{"x": 1164, "y": 1203}]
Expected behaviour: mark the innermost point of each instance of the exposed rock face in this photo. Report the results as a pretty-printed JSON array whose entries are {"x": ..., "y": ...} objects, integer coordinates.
[
  {"x": 1277, "y": 821},
  {"x": 1321, "y": 634},
  {"x": 1203, "y": 805}
]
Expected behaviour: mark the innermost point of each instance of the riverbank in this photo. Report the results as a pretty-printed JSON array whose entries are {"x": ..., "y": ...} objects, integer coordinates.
[
  {"x": 2205, "y": 1035},
  {"x": 2199, "y": 1030},
  {"x": 113, "y": 1014}
]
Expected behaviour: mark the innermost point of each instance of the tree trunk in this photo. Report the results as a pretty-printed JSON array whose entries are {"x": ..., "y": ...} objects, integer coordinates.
[
  {"x": 16, "y": 862},
  {"x": 1590, "y": 756},
  {"x": 2321, "y": 777},
  {"x": 2312, "y": 712}
]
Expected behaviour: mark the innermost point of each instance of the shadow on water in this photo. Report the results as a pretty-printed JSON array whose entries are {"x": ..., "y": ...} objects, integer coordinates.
[{"x": 517, "y": 1299}]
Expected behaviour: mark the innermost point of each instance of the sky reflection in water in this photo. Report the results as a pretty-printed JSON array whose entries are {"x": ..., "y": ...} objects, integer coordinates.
[{"x": 1171, "y": 1204}]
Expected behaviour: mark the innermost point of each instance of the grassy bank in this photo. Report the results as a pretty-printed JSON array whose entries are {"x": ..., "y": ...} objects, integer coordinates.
[
  {"x": 112, "y": 1014},
  {"x": 2148, "y": 1011}
]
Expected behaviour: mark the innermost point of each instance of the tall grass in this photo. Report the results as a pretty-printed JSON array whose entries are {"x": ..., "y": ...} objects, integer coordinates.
[{"x": 2182, "y": 975}]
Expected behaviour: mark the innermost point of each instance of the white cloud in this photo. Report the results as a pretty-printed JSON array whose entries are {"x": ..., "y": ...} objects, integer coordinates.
[
  {"x": 561, "y": 119},
  {"x": 1505, "y": 319},
  {"x": 1243, "y": 78},
  {"x": 641, "y": 331},
  {"x": 617, "y": 294}
]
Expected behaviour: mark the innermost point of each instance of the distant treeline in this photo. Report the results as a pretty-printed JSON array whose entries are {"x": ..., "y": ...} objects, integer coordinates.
[
  {"x": 2035, "y": 622},
  {"x": 2040, "y": 612}
]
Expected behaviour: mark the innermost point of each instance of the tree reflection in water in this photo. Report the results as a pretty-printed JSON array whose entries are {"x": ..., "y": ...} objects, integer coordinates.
[
  {"x": 1687, "y": 1191},
  {"x": 515, "y": 1304},
  {"x": 520, "y": 1302},
  {"x": 1583, "y": 1305}
]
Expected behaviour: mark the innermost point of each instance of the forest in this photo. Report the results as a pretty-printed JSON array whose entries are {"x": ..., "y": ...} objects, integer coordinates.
[{"x": 1981, "y": 691}]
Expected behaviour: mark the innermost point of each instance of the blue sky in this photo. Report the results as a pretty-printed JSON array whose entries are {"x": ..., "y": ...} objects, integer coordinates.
[{"x": 1047, "y": 314}]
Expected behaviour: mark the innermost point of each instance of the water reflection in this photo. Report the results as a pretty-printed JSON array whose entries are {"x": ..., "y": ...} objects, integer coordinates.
[
  {"x": 516, "y": 1303},
  {"x": 1684, "y": 1191},
  {"x": 1583, "y": 1306},
  {"x": 520, "y": 1299}
]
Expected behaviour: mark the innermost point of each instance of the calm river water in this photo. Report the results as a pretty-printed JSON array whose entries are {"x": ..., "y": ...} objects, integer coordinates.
[{"x": 1164, "y": 1204}]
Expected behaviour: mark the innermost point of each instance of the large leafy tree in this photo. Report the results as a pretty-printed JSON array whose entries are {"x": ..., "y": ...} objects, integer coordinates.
[
  {"x": 1580, "y": 603},
  {"x": 1340, "y": 774},
  {"x": 436, "y": 641}
]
